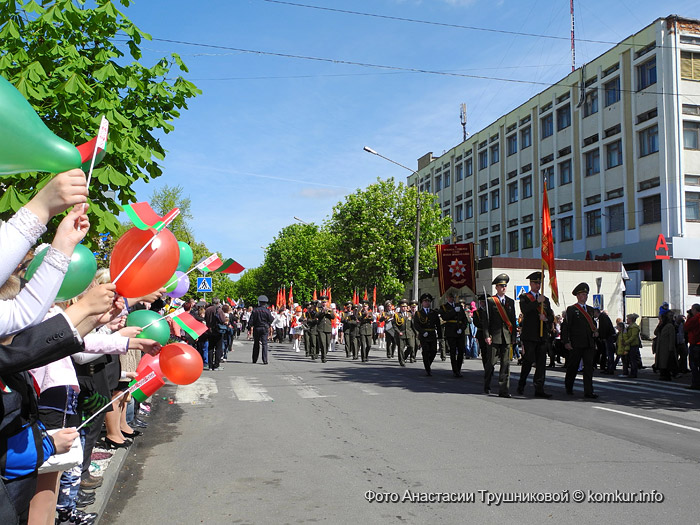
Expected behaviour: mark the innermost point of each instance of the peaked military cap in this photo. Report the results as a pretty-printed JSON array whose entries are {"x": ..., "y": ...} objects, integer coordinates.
[
  {"x": 403, "y": 302},
  {"x": 501, "y": 279},
  {"x": 414, "y": 301},
  {"x": 426, "y": 296},
  {"x": 535, "y": 277},
  {"x": 323, "y": 298},
  {"x": 348, "y": 303},
  {"x": 482, "y": 297},
  {"x": 583, "y": 287}
]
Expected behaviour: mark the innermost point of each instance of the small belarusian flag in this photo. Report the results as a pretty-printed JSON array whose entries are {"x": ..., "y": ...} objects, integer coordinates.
[
  {"x": 190, "y": 325},
  {"x": 209, "y": 264},
  {"x": 229, "y": 266},
  {"x": 145, "y": 384},
  {"x": 87, "y": 149},
  {"x": 143, "y": 216}
]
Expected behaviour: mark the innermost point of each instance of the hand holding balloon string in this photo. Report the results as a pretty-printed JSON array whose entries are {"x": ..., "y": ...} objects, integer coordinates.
[
  {"x": 71, "y": 230},
  {"x": 62, "y": 192},
  {"x": 86, "y": 313}
]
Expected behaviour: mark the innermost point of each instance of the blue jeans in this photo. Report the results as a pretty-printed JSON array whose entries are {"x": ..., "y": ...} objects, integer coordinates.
[{"x": 70, "y": 484}]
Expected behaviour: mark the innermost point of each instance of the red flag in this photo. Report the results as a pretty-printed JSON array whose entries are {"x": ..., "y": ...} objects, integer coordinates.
[
  {"x": 315, "y": 295},
  {"x": 190, "y": 325},
  {"x": 330, "y": 300},
  {"x": 229, "y": 266},
  {"x": 355, "y": 299},
  {"x": 548, "y": 247},
  {"x": 291, "y": 297},
  {"x": 364, "y": 297},
  {"x": 283, "y": 301},
  {"x": 374, "y": 296}
]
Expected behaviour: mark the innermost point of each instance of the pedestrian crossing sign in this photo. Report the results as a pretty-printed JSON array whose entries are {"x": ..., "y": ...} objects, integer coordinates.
[
  {"x": 598, "y": 302},
  {"x": 204, "y": 284},
  {"x": 521, "y": 289}
]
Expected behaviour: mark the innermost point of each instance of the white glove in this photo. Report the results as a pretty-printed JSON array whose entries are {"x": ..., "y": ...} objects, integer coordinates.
[
  {"x": 459, "y": 331},
  {"x": 425, "y": 334},
  {"x": 456, "y": 308}
]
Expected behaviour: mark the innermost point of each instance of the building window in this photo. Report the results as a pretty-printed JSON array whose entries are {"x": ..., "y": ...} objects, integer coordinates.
[
  {"x": 495, "y": 245},
  {"x": 564, "y": 117},
  {"x": 616, "y": 217},
  {"x": 691, "y": 133},
  {"x": 527, "y": 187},
  {"x": 548, "y": 177},
  {"x": 512, "y": 144},
  {"x": 459, "y": 217},
  {"x": 427, "y": 186},
  {"x": 512, "y": 192},
  {"x": 494, "y": 154},
  {"x": 547, "y": 126},
  {"x": 649, "y": 141},
  {"x": 565, "y": 172},
  {"x": 446, "y": 213},
  {"x": 483, "y": 159},
  {"x": 469, "y": 209},
  {"x": 646, "y": 74},
  {"x": 438, "y": 183},
  {"x": 590, "y": 104},
  {"x": 651, "y": 209},
  {"x": 612, "y": 91},
  {"x": 483, "y": 203},
  {"x": 459, "y": 172},
  {"x": 495, "y": 199},
  {"x": 447, "y": 179},
  {"x": 527, "y": 237},
  {"x": 692, "y": 203},
  {"x": 690, "y": 65},
  {"x": 567, "y": 229},
  {"x": 525, "y": 138},
  {"x": 513, "y": 241},
  {"x": 469, "y": 168},
  {"x": 484, "y": 248},
  {"x": 592, "y": 223},
  {"x": 592, "y": 162},
  {"x": 613, "y": 152}
]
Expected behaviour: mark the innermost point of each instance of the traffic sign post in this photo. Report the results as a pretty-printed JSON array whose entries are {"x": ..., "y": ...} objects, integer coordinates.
[
  {"x": 521, "y": 289},
  {"x": 598, "y": 301},
  {"x": 204, "y": 285}
]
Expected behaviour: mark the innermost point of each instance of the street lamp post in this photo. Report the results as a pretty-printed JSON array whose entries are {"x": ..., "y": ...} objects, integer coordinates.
[
  {"x": 303, "y": 222},
  {"x": 416, "y": 256}
]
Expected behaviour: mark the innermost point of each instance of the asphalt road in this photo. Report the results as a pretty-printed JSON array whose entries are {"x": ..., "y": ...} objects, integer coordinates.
[{"x": 299, "y": 441}]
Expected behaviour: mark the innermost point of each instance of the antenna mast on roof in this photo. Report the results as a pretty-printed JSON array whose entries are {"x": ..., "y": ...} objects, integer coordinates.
[
  {"x": 463, "y": 120},
  {"x": 573, "y": 45}
]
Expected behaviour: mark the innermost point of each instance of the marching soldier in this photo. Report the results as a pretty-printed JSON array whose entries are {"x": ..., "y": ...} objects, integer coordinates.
[
  {"x": 403, "y": 333},
  {"x": 310, "y": 330},
  {"x": 413, "y": 334},
  {"x": 480, "y": 321},
  {"x": 455, "y": 325},
  {"x": 350, "y": 325},
  {"x": 427, "y": 325},
  {"x": 499, "y": 335},
  {"x": 534, "y": 333},
  {"x": 366, "y": 320},
  {"x": 324, "y": 316},
  {"x": 389, "y": 331},
  {"x": 578, "y": 335}
]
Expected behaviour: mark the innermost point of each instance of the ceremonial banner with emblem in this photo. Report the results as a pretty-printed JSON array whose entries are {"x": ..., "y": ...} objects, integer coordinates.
[{"x": 456, "y": 266}]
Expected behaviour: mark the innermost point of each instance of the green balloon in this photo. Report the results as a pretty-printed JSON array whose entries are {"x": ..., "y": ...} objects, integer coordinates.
[
  {"x": 172, "y": 283},
  {"x": 26, "y": 144},
  {"x": 81, "y": 272},
  {"x": 186, "y": 257},
  {"x": 158, "y": 331}
]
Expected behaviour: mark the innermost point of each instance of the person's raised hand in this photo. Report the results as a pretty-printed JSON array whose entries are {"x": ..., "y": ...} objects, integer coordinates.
[
  {"x": 71, "y": 230},
  {"x": 130, "y": 331},
  {"x": 62, "y": 192},
  {"x": 149, "y": 346}
]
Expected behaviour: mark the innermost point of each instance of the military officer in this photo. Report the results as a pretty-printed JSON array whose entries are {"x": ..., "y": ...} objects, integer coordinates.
[
  {"x": 324, "y": 326},
  {"x": 259, "y": 324},
  {"x": 578, "y": 335},
  {"x": 480, "y": 321},
  {"x": 413, "y": 308},
  {"x": 366, "y": 320},
  {"x": 350, "y": 325},
  {"x": 427, "y": 326},
  {"x": 389, "y": 329},
  {"x": 310, "y": 330},
  {"x": 454, "y": 330},
  {"x": 534, "y": 334},
  {"x": 403, "y": 331},
  {"x": 499, "y": 335}
]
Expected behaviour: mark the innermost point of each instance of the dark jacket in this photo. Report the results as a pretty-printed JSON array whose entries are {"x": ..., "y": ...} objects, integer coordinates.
[
  {"x": 577, "y": 330},
  {"x": 498, "y": 330},
  {"x": 605, "y": 327},
  {"x": 427, "y": 324},
  {"x": 454, "y": 319},
  {"x": 260, "y": 317},
  {"x": 530, "y": 327}
]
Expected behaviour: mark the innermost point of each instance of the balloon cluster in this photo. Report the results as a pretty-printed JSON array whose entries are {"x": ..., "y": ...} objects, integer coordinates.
[{"x": 177, "y": 362}]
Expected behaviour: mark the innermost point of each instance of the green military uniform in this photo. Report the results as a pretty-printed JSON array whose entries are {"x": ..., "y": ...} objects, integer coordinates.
[
  {"x": 365, "y": 333},
  {"x": 404, "y": 334},
  {"x": 500, "y": 330},
  {"x": 310, "y": 331},
  {"x": 324, "y": 316},
  {"x": 427, "y": 325},
  {"x": 454, "y": 330},
  {"x": 350, "y": 330}
]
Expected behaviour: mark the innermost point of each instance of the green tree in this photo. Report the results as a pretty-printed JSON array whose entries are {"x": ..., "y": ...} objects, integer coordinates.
[
  {"x": 169, "y": 197},
  {"x": 249, "y": 286},
  {"x": 64, "y": 58}
]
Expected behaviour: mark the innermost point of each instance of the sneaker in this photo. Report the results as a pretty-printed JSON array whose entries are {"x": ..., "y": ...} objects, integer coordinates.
[{"x": 75, "y": 517}]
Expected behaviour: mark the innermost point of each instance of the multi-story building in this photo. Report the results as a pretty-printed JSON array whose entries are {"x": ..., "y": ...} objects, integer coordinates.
[{"x": 617, "y": 142}]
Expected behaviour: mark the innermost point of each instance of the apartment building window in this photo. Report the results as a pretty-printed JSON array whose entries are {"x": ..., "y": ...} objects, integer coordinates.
[
  {"x": 547, "y": 126},
  {"x": 495, "y": 154},
  {"x": 615, "y": 217},
  {"x": 651, "y": 209},
  {"x": 592, "y": 159},
  {"x": 613, "y": 153},
  {"x": 567, "y": 229},
  {"x": 590, "y": 104},
  {"x": 525, "y": 138},
  {"x": 527, "y": 187},
  {"x": 612, "y": 91},
  {"x": 483, "y": 203},
  {"x": 649, "y": 141},
  {"x": 447, "y": 179},
  {"x": 512, "y": 144},
  {"x": 469, "y": 168},
  {"x": 691, "y": 135},
  {"x": 565, "y": 172},
  {"x": 438, "y": 182},
  {"x": 459, "y": 217},
  {"x": 459, "y": 172},
  {"x": 646, "y": 74},
  {"x": 593, "y": 223},
  {"x": 527, "y": 237},
  {"x": 469, "y": 209},
  {"x": 446, "y": 213},
  {"x": 495, "y": 245},
  {"x": 427, "y": 186},
  {"x": 564, "y": 117},
  {"x": 692, "y": 205},
  {"x": 495, "y": 199},
  {"x": 483, "y": 159},
  {"x": 512, "y": 192},
  {"x": 484, "y": 248},
  {"x": 690, "y": 65},
  {"x": 548, "y": 177}
]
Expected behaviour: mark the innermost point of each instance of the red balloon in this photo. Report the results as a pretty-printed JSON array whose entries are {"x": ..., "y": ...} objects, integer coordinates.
[
  {"x": 153, "y": 361},
  {"x": 180, "y": 363},
  {"x": 151, "y": 269}
]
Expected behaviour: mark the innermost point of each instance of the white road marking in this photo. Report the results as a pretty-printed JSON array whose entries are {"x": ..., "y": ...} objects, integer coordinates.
[
  {"x": 304, "y": 391},
  {"x": 649, "y": 419},
  {"x": 248, "y": 389},
  {"x": 368, "y": 391},
  {"x": 620, "y": 386},
  {"x": 200, "y": 390}
]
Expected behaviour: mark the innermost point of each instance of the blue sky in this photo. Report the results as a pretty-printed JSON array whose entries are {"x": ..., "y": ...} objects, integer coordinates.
[{"x": 273, "y": 137}]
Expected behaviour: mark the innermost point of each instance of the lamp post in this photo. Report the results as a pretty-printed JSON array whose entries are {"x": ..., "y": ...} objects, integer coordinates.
[
  {"x": 416, "y": 255},
  {"x": 303, "y": 222}
]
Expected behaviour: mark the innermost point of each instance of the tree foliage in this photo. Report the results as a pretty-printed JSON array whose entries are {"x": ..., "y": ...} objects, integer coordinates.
[
  {"x": 67, "y": 60},
  {"x": 165, "y": 199}
]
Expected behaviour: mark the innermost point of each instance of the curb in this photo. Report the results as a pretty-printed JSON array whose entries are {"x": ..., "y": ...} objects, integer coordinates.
[{"x": 103, "y": 493}]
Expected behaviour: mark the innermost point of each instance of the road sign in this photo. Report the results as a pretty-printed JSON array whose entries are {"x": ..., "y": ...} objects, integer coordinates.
[
  {"x": 521, "y": 289},
  {"x": 598, "y": 301},
  {"x": 204, "y": 284}
]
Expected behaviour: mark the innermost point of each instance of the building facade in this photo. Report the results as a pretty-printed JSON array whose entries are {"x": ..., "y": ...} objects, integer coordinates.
[{"x": 618, "y": 144}]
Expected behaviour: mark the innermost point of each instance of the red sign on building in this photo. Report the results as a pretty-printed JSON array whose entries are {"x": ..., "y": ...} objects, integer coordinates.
[{"x": 456, "y": 266}]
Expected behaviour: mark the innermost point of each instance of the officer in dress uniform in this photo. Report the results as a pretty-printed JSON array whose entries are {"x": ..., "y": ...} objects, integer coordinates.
[
  {"x": 366, "y": 320},
  {"x": 389, "y": 332},
  {"x": 578, "y": 335},
  {"x": 413, "y": 335},
  {"x": 350, "y": 326},
  {"x": 259, "y": 324},
  {"x": 427, "y": 326},
  {"x": 310, "y": 331},
  {"x": 324, "y": 317},
  {"x": 534, "y": 333},
  {"x": 454, "y": 330},
  {"x": 403, "y": 332},
  {"x": 499, "y": 335}
]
